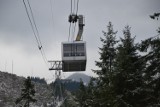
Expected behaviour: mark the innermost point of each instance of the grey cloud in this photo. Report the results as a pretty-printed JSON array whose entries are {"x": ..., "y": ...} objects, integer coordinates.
[{"x": 15, "y": 27}]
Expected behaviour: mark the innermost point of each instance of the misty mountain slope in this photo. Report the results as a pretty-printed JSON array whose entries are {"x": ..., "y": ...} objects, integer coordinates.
[
  {"x": 43, "y": 94},
  {"x": 10, "y": 89},
  {"x": 77, "y": 76},
  {"x": 10, "y": 86}
]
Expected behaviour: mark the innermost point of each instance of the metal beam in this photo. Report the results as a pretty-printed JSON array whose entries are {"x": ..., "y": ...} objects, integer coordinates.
[{"x": 55, "y": 65}]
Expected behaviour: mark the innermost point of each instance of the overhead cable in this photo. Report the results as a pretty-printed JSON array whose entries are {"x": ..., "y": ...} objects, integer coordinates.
[
  {"x": 71, "y": 6},
  {"x": 35, "y": 30},
  {"x": 69, "y": 31},
  {"x": 77, "y": 6},
  {"x": 34, "y": 22},
  {"x": 31, "y": 22},
  {"x": 51, "y": 5},
  {"x": 74, "y": 29},
  {"x": 74, "y": 3},
  {"x": 72, "y": 26}
]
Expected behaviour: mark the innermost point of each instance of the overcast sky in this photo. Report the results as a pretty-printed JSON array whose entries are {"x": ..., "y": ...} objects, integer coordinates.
[{"x": 18, "y": 44}]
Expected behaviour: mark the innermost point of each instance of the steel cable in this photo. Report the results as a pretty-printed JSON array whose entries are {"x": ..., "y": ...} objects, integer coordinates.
[
  {"x": 34, "y": 22},
  {"x": 31, "y": 22},
  {"x": 77, "y": 6},
  {"x": 36, "y": 33}
]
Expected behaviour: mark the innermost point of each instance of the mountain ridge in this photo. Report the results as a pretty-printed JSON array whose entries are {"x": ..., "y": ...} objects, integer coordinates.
[{"x": 78, "y": 76}]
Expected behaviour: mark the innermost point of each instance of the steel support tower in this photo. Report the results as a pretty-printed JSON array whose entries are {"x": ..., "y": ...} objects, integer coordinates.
[{"x": 57, "y": 88}]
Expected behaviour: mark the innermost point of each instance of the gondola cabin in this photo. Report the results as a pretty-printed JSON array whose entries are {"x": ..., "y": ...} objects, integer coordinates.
[{"x": 74, "y": 56}]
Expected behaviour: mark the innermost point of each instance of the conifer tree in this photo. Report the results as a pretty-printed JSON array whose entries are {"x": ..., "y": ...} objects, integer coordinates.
[
  {"x": 91, "y": 94},
  {"x": 152, "y": 69},
  {"x": 27, "y": 94},
  {"x": 127, "y": 74},
  {"x": 81, "y": 95},
  {"x": 107, "y": 53}
]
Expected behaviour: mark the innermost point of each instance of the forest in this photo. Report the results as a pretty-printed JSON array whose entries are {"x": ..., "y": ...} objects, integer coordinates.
[{"x": 128, "y": 74}]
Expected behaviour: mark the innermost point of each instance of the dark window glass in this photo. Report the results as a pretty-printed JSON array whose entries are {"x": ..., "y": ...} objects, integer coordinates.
[
  {"x": 67, "y": 47},
  {"x": 80, "y": 47},
  {"x": 73, "y": 50}
]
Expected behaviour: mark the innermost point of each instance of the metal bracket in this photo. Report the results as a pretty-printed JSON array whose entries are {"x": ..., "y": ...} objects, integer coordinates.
[{"x": 55, "y": 65}]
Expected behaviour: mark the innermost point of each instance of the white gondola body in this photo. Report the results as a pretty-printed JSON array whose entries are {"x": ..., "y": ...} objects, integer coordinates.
[{"x": 74, "y": 56}]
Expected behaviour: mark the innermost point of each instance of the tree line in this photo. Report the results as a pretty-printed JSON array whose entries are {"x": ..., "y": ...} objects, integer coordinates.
[{"x": 128, "y": 75}]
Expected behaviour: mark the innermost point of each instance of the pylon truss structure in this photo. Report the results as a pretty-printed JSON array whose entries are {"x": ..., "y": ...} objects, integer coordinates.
[
  {"x": 58, "y": 92},
  {"x": 55, "y": 65}
]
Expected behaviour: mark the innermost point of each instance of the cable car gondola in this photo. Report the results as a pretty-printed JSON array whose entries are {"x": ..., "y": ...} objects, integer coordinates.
[{"x": 74, "y": 56}]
